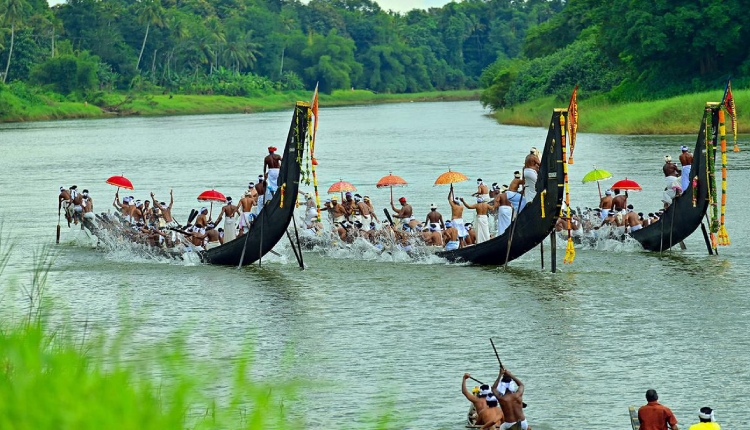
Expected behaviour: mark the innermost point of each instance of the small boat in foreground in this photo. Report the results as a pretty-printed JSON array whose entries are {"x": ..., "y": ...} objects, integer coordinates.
[{"x": 537, "y": 219}]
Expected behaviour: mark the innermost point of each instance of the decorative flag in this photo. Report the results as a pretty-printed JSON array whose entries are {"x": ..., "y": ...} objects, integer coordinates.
[
  {"x": 728, "y": 102},
  {"x": 573, "y": 122},
  {"x": 314, "y": 110}
]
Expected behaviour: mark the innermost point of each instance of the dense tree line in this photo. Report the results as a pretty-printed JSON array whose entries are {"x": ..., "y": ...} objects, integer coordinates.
[
  {"x": 242, "y": 46},
  {"x": 517, "y": 50}
]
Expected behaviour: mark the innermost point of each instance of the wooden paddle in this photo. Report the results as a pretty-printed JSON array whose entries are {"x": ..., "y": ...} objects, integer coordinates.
[
  {"x": 58, "y": 226},
  {"x": 496, "y": 354},
  {"x": 388, "y": 215}
]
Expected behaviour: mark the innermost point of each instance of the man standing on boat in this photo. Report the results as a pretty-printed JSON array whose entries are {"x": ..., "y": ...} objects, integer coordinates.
[
  {"x": 632, "y": 221},
  {"x": 434, "y": 217},
  {"x": 64, "y": 204},
  {"x": 605, "y": 204},
  {"x": 245, "y": 207},
  {"x": 260, "y": 192},
  {"x": 404, "y": 214},
  {"x": 271, "y": 166},
  {"x": 227, "y": 213},
  {"x": 673, "y": 184},
  {"x": 352, "y": 211},
  {"x": 509, "y": 392},
  {"x": 372, "y": 209},
  {"x": 619, "y": 202},
  {"x": 457, "y": 220},
  {"x": 166, "y": 210},
  {"x": 504, "y": 210},
  {"x": 655, "y": 416},
  {"x": 483, "y": 191},
  {"x": 364, "y": 211},
  {"x": 530, "y": 174},
  {"x": 482, "y": 219},
  {"x": 450, "y": 236},
  {"x": 686, "y": 159}
]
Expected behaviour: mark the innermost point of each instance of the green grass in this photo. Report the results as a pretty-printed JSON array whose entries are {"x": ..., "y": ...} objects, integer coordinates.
[
  {"x": 16, "y": 109},
  {"x": 676, "y": 115}
]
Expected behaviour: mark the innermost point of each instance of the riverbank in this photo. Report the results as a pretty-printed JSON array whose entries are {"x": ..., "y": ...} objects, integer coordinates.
[
  {"x": 39, "y": 108},
  {"x": 676, "y": 115}
]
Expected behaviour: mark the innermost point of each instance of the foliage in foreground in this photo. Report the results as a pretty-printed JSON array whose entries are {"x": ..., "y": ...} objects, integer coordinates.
[{"x": 48, "y": 380}]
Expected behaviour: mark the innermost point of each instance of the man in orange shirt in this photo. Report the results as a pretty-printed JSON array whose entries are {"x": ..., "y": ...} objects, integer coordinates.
[{"x": 655, "y": 416}]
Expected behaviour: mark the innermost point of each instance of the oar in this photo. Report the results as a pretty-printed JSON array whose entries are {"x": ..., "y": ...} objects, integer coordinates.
[
  {"x": 58, "y": 226},
  {"x": 496, "y": 354},
  {"x": 191, "y": 217},
  {"x": 476, "y": 380},
  {"x": 514, "y": 218}
]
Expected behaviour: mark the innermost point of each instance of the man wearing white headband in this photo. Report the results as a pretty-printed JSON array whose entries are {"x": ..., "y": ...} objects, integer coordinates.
[
  {"x": 166, "y": 210},
  {"x": 434, "y": 217},
  {"x": 686, "y": 159},
  {"x": 479, "y": 401},
  {"x": 707, "y": 420},
  {"x": 492, "y": 415},
  {"x": 64, "y": 204},
  {"x": 450, "y": 236},
  {"x": 245, "y": 209},
  {"x": 673, "y": 184},
  {"x": 260, "y": 192},
  {"x": 655, "y": 416},
  {"x": 504, "y": 210},
  {"x": 509, "y": 391},
  {"x": 483, "y": 191},
  {"x": 228, "y": 213},
  {"x": 605, "y": 204},
  {"x": 77, "y": 200},
  {"x": 88, "y": 210},
  {"x": 457, "y": 220},
  {"x": 514, "y": 192},
  {"x": 482, "y": 219}
]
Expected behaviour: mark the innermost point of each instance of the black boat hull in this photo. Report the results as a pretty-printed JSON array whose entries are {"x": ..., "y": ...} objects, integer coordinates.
[
  {"x": 530, "y": 227},
  {"x": 681, "y": 218},
  {"x": 271, "y": 224}
]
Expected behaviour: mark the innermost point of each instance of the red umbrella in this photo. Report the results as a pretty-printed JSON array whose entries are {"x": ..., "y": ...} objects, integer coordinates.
[
  {"x": 120, "y": 182},
  {"x": 626, "y": 185},
  {"x": 391, "y": 181},
  {"x": 211, "y": 196}
]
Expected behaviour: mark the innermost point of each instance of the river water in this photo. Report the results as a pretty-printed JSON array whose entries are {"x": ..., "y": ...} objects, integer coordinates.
[{"x": 372, "y": 330}]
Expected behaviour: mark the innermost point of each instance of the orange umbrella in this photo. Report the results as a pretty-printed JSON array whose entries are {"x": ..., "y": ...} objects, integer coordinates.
[
  {"x": 340, "y": 187},
  {"x": 450, "y": 177},
  {"x": 391, "y": 181}
]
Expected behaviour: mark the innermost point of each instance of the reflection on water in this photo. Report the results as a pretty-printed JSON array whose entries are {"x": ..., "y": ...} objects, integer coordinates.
[{"x": 370, "y": 327}]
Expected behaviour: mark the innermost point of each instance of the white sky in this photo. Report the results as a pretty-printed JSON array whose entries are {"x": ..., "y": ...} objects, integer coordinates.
[{"x": 396, "y": 5}]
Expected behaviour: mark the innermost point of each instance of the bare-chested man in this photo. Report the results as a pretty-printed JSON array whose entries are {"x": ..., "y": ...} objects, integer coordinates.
[
  {"x": 271, "y": 166},
  {"x": 504, "y": 210},
  {"x": 77, "y": 201},
  {"x": 686, "y": 159},
  {"x": 260, "y": 192},
  {"x": 404, "y": 214},
  {"x": 517, "y": 201},
  {"x": 338, "y": 211},
  {"x": 434, "y": 217},
  {"x": 479, "y": 401},
  {"x": 351, "y": 208},
  {"x": 509, "y": 392},
  {"x": 619, "y": 202},
  {"x": 457, "y": 220},
  {"x": 124, "y": 208},
  {"x": 492, "y": 416},
  {"x": 483, "y": 191},
  {"x": 605, "y": 204},
  {"x": 64, "y": 204},
  {"x": 166, "y": 210},
  {"x": 228, "y": 213},
  {"x": 482, "y": 219},
  {"x": 245, "y": 208},
  {"x": 364, "y": 211},
  {"x": 372, "y": 209},
  {"x": 494, "y": 190},
  {"x": 88, "y": 209},
  {"x": 632, "y": 221},
  {"x": 450, "y": 236},
  {"x": 202, "y": 220},
  {"x": 530, "y": 173},
  {"x": 471, "y": 239}
]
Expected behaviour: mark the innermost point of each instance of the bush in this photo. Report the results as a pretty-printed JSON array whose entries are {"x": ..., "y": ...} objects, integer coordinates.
[{"x": 66, "y": 74}]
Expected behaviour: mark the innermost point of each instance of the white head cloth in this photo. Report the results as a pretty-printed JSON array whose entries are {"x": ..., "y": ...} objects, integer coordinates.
[
  {"x": 710, "y": 416},
  {"x": 510, "y": 386}
]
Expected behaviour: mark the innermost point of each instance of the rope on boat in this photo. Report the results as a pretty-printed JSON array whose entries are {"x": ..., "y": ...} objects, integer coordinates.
[
  {"x": 570, "y": 250},
  {"x": 713, "y": 226}
]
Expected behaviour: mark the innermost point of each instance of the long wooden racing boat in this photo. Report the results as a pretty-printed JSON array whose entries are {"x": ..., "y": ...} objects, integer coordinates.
[
  {"x": 683, "y": 217},
  {"x": 271, "y": 224},
  {"x": 529, "y": 228}
]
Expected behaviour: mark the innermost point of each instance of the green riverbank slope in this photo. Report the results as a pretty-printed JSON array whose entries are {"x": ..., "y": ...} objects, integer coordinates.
[
  {"x": 676, "y": 115},
  {"x": 34, "y": 107}
]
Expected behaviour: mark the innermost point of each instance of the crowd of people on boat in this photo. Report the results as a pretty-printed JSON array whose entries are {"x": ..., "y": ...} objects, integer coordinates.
[{"x": 355, "y": 216}]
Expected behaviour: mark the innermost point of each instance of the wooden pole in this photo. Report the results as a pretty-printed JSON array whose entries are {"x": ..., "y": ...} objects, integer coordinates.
[
  {"x": 496, "y": 354},
  {"x": 541, "y": 252},
  {"x": 705, "y": 237},
  {"x": 553, "y": 252}
]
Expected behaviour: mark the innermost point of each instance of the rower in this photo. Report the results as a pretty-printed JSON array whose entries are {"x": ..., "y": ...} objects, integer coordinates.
[
  {"x": 77, "y": 201},
  {"x": 88, "y": 209},
  {"x": 271, "y": 168},
  {"x": 260, "y": 192},
  {"x": 483, "y": 191},
  {"x": 673, "y": 184},
  {"x": 491, "y": 416},
  {"x": 350, "y": 207},
  {"x": 632, "y": 221},
  {"x": 166, "y": 210},
  {"x": 479, "y": 400},
  {"x": 605, "y": 204},
  {"x": 372, "y": 209},
  {"x": 202, "y": 220},
  {"x": 530, "y": 174},
  {"x": 514, "y": 192},
  {"x": 619, "y": 202},
  {"x": 64, "y": 204},
  {"x": 364, "y": 211},
  {"x": 509, "y": 392},
  {"x": 245, "y": 208},
  {"x": 404, "y": 214},
  {"x": 504, "y": 209},
  {"x": 450, "y": 237}
]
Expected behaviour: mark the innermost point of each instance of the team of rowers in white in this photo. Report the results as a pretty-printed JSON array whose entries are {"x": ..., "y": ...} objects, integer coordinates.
[{"x": 151, "y": 221}]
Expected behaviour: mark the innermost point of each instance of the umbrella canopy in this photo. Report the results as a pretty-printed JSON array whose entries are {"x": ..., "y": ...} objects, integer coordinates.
[
  {"x": 596, "y": 175},
  {"x": 626, "y": 185},
  {"x": 211, "y": 196},
  {"x": 391, "y": 181},
  {"x": 341, "y": 187},
  {"x": 450, "y": 177},
  {"x": 121, "y": 182}
]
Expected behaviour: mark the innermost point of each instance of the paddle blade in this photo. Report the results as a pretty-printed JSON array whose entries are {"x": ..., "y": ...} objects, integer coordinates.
[{"x": 58, "y": 234}]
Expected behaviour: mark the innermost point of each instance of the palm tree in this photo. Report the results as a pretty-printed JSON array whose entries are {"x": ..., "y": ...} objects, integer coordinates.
[
  {"x": 13, "y": 11},
  {"x": 240, "y": 50},
  {"x": 149, "y": 12}
]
